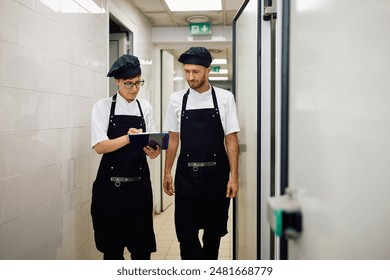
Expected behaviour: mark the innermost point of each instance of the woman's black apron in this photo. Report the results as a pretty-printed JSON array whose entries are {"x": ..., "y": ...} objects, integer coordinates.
[
  {"x": 122, "y": 200},
  {"x": 202, "y": 173}
]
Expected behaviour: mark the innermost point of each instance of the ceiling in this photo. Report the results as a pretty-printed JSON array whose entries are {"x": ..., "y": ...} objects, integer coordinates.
[{"x": 158, "y": 14}]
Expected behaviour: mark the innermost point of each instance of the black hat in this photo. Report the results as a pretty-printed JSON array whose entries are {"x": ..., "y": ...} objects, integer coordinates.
[
  {"x": 127, "y": 66},
  {"x": 196, "y": 55}
]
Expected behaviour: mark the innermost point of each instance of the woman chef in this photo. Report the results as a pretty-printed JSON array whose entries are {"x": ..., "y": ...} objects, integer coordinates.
[{"x": 122, "y": 203}]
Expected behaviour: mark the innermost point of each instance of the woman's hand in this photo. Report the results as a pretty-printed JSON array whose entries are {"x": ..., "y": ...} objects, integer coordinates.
[
  {"x": 134, "y": 131},
  {"x": 152, "y": 153}
]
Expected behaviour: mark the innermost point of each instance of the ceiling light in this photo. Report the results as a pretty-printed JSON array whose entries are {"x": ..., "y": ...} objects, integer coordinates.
[
  {"x": 215, "y": 51},
  {"x": 198, "y": 19},
  {"x": 219, "y": 61},
  {"x": 194, "y": 5},
  {"x": 218, "y": 78}
]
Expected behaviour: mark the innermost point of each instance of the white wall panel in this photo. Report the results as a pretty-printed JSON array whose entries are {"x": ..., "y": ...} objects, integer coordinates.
[
  {"x": 9, "y": 199},
  {"x": 339, "y": 136},
  {"x": 15, "y": 59},
  {"x": 51, "y": 71},
  {"x": 246, "y": 97},
  {"x": 8, "y": 114},
  {"x": 32, "y": 30},
  {"x": 167, "y": 88},
  {"x": 8, "y": 21}
]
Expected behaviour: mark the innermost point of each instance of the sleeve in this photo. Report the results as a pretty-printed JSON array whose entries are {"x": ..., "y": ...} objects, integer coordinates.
[
  {"x": 231, "y": 119},
  {"x": 171, "y": 121},
  {"x": 99, "y": 124},
  {"x": 149, "y": 118}
]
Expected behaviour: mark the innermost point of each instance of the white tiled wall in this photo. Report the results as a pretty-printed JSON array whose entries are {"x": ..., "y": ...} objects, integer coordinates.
[{"x": 53, "y": 65}]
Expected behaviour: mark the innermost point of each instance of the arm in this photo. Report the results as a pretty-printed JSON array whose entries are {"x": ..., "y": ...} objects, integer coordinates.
[
  {"x": 169, "y": 159},
  {"x": 150, "y": 127},
  {"x": 231, "y": 141},
  {"x": 111, "y": 145}
]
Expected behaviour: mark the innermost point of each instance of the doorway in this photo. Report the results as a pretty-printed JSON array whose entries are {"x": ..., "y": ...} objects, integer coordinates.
[{"x": 121, "y": 42}]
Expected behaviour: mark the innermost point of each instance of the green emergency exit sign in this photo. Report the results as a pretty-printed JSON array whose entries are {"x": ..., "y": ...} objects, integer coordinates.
[
  {"x": 215, "y": 68},
  {"x": 202, "y": 28}
]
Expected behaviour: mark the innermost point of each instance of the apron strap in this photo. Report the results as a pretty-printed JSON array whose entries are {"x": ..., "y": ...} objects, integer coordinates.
[
  {"x": 214, "y": 99},
  {"x": 113, "y": 103},
  {"x": 112, "y": 110},
  {"x": 185, "y": 98},
  {"x": 140, "y": 109}
]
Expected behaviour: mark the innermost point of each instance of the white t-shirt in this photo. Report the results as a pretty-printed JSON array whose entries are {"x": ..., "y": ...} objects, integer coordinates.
[
  {"x": 226, "y": 105},
  {"x": 101, "y": 114}
]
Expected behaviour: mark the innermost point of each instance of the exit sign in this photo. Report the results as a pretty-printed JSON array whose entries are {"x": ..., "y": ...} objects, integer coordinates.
[
  {"x": 215, "y": 68},
  {"x": 202, "y": 28}
]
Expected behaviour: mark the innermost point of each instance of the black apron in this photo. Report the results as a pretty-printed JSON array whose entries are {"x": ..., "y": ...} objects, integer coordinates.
[
  {"x": 122, "y": 200},
  {"x": 202, "y": 173}
]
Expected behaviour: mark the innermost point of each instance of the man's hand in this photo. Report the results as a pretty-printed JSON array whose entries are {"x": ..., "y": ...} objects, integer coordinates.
[
  {"x": 232, "y": 188},
  {"x": 168, "y": 185}
]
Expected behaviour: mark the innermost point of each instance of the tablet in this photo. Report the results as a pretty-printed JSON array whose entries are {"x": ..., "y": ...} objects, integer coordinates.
[{"x": 152, "y": 139}]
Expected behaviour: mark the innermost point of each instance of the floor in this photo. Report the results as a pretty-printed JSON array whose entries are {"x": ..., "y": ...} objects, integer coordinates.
[{"x": 167, "y": 244}]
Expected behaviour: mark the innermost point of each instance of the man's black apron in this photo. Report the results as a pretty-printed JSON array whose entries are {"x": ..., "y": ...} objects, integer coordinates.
[
  {"x": 202, "y": 173},
  {"x": 122, "y": 200}
]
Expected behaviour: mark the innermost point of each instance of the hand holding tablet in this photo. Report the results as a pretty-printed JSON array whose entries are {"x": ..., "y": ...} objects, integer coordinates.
[{"x": 139, "y": 140}]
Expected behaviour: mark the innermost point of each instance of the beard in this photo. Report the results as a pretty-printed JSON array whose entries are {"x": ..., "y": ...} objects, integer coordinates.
[{"x": 196, "y": 84}]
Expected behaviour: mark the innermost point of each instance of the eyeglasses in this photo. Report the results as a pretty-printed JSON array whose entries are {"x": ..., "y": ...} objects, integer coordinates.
[{"x": 130, "y": 85}]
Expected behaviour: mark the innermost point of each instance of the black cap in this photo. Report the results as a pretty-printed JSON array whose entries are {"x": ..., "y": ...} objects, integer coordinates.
[
  {"x": 196, "y": 55},
  {"x": 127, "y": 66}
]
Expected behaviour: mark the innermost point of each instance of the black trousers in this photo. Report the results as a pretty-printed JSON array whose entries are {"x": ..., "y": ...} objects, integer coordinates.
[
  {"x": 209, "y": 213},
  {"x": 192, "y": 249},
  {"x": 119, "y": 256}
]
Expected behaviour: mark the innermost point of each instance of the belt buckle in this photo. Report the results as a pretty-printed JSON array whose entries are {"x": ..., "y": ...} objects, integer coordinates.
[
  {"x": 118, "y": 180},
  {"x": 195, "y": 165}
]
